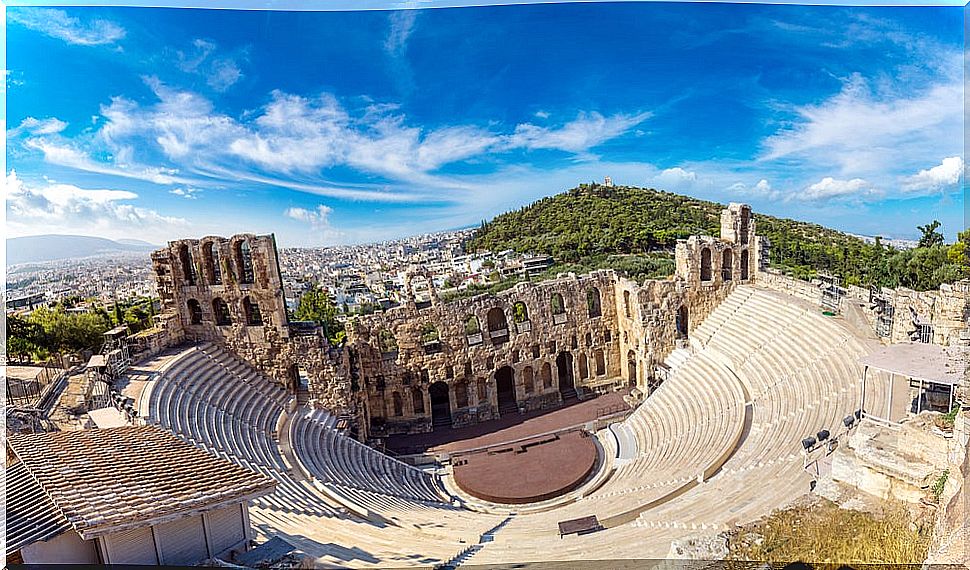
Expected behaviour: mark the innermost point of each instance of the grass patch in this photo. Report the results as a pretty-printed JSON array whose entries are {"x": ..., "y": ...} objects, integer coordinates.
[
  {"x": 946, "y": 421},
  {"x": 823, "y": 532}
]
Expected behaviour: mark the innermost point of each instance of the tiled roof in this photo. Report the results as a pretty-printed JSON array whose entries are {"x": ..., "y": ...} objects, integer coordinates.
[
  {"x": 31, "y": 516},
  {"x": 105, "y": 480}
]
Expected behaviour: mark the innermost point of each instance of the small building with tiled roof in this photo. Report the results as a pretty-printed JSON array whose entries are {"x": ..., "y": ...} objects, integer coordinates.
[{"x": 125, "y": 495}]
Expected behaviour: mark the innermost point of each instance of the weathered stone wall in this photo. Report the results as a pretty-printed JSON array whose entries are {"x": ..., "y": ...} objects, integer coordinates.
[{"x": 229, "y": 291}]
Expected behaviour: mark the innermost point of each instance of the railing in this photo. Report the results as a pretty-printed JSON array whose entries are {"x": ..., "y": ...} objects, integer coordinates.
[
  {"x": 498, "y": 333},
  {"x": 474, "y": 339},
  {"x": 524, "y": 326},
  {"x": 27, "y": 393},
  {"x": 559, "y": 318}
]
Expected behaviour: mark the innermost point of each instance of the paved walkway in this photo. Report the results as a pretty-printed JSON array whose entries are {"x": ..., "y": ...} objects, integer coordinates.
[{"x": 509, "y": 428}]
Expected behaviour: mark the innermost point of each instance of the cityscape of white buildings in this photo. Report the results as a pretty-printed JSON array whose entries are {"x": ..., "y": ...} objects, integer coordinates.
[{"x": 359, "y": 277}]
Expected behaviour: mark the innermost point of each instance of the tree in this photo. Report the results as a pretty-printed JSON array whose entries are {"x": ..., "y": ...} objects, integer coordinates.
[
  {"x": 930, "y": 236},
  {"x": 316, "y": 305}
]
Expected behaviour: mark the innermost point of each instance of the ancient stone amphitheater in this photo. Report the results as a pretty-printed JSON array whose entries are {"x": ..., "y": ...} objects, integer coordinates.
[{"x": 720, "y": 404}]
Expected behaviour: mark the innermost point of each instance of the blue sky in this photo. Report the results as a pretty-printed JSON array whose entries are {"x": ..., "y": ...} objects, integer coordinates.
[{"x": 345, "y": 127}]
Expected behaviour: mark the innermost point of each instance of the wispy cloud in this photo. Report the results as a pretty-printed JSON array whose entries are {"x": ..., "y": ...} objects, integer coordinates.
[
  {"x": 401, "y": 25},
  {"x": 58, "y": 24},
  {"x": 220, "y": 71},
  {"x": 578, "y": 136}
]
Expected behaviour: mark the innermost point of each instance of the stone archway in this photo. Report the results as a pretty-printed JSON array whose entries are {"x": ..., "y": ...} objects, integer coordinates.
[
  {"x": 567, "y": 378},
  {"x": 440, "y": 405},
  {"x": 505, "y": 388}
]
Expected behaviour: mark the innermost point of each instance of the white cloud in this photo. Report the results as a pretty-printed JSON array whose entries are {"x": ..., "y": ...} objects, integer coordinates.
[
  {"x": 761, "y": 189},
  {"x": 63, "y": 155},
  {"x": 49, "y": 126},
  {"x": 543, "y": 114},
  {"x": 676, "y": 175},
  {"x": 220, "y": 71},
  {"x": 947, "y": 173},
  {"x": 64, "y": 208},
  {"x": 829, "y": 187},
  {"x": 401, "y": 26},
  {"x": 58, "y": 24},
  {"x": 318, "y": 216},
  {"x": 865, "y": 133},
  {"x": 187, "y": 193},
  {"x": 578, "y": 136}
]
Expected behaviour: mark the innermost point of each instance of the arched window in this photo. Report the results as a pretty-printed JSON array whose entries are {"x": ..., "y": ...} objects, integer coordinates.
[
  {"x": 744, "y": 265},
  {"x": 520, "y": 313},
  {"x": 557, "y": 304},
  {"x": 473, "y": 330},
  {"x": 583, "y": 367},
  {"x": 429, "y": 336},
  {"x": 213, "y": 270},
  {"x": 593, "y": 302},
  {"x": 398, "y": 404},
  {"x": 417, "y": 400},
  {"x": 498, "y": 327},
  {"x": 626, "y": 304},
  {"x": 461, "y": 394},
  {"x": 188, "y": 266},
  {"x": 727, "y": 261},
  {"x": 221, "y": 310},
  {"x": 745, "y": 224},
  {"x": 388, "y": 342},
  {"x": 705, "y": 264},
  {"x": 195, "y": 312},
  {"x": 244, "y": 262},
  {"x": 251, "y": 310},
  {"x": 600, "y": 362},
  {"x": 545, "y": 373},
  {"x": 528, "y": 382}
]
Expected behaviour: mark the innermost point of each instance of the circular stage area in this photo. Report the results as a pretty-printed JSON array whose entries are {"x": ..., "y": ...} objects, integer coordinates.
[{"x": 527, "y": 471}]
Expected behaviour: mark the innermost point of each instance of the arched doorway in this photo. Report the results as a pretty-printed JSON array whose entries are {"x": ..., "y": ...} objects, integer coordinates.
[
  {"x": 682, "y": 322},
  {"x": 440, "y": 405},
  {"x": 567, "y": 381},
  {"x": 631, "y": 365},
  {"x": 744, "y": 265},
  {"x": 505, "y": 388}
]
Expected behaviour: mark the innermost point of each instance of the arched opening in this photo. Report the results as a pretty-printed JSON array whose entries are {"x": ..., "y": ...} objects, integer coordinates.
[
  {"x": 744, "y": 226},
  {"x": 727, "y": 262},
  {"x": 558, "y": 307},
  {"x": 505, "y": 387},
  {"x": 221, "y": 311},
  {"x": 744, "y": 265},
  {"x": 210, "y": 258},
  {"x": 244, "y": 262},
  {"x": 631, "y": 366},
  {"x": 473, "y": 330},
  {"x": 498, "y": 327},
  {"x": 520, "y": 316},
  {"x": 627, "y": 310},
  {"x": 482, "y": 392},
  {"x": 583, "y": 367},
  {"x": 388, "y": 344},
  {"x": 593, "y": 302},
  {"x": 600, "y": 362},
  {"x": 251, "y": 310},
  {"x": 429, "y": 337},
  {"x": 705, "y": 264},
  {"x": 417, "y": 400},
  {"x": 545, "y": 373},
  {"x": 682, "y": 322},
  {"x": 188, "y": 266},
  {"x": 397, "y": 404},
  {"x": 440, "y": 405},
  {"x": 567, "y": 383},
  {"x": 195, "y": 312},
  {"x": 461, "y": 394},
  {"x": 528, "y": 382}
]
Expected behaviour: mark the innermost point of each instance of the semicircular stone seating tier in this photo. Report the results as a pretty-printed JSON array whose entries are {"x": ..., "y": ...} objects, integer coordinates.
[{"x": 716, "y": 444}]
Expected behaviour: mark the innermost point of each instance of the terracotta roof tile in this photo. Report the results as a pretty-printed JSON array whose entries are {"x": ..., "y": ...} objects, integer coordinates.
[{"x": 101, "y": 479}]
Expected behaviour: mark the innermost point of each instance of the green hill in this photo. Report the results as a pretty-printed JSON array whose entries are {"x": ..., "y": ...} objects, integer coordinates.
[{"x": 634, "y": 230}]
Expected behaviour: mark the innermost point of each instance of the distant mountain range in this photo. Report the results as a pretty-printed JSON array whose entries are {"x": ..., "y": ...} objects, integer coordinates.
[{"x": 34, "y": 249}]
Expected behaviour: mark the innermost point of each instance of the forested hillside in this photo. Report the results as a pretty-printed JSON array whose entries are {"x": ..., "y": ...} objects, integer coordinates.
[{"x": 593, "y": 226}]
